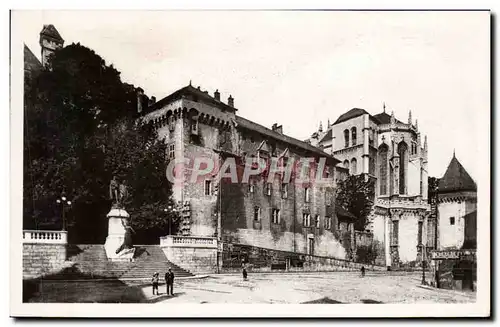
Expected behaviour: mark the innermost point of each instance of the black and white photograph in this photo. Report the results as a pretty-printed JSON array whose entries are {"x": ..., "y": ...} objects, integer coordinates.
[{"x": 193, "y": 160}]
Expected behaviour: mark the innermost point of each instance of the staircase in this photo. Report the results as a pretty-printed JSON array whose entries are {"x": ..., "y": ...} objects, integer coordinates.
[{"x": 90, "y": 262}]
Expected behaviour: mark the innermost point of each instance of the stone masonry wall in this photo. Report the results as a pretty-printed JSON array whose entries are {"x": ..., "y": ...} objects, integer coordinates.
[
  {"x": 42, "y": 259},
  {"x": 195, "y": 260},
  {"x": 256, "y": 259}
]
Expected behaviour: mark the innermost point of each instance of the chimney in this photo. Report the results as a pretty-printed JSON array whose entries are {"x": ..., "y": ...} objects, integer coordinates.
[
  {"x": 217, "y": 95},
  {"x": 230, "y": 101},
  {"x": 140, "y": 94},
  {"x": 277, "y": 129},
  {"x": 151, "y": 101}
]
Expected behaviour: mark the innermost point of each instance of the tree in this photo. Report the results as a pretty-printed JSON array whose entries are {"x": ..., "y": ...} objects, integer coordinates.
[
  {"x": 432, "y": 186},
  {"x": 80, "y": 130},
  {"x": 356, "y": 195}
]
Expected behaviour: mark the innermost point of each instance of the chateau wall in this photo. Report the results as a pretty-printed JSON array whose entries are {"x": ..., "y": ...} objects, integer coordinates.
[{"x": 256, "y": 259}]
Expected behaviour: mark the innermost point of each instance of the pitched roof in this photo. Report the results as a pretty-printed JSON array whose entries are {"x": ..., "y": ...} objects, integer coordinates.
[
  {"x": 328, "y": 135},
  {"x": 385, "y": 118},
  {"x": 50, "y": 31},
  {"x": 456, "y": 179},
  {"x": 250, "y": 125},
  {"x": 191, "y": 92},
  {"x": 354, "y": 112},
  {"x": 31, "y": 62}
]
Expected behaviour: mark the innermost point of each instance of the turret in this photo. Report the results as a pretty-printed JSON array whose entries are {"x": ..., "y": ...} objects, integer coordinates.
[{"x": 50, "y": 41}]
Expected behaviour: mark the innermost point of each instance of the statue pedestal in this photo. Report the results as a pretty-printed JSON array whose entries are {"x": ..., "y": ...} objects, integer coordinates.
[{"x": 117, "y": 218}]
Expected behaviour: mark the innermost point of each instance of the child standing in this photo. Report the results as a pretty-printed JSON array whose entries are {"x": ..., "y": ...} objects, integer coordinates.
[{"x": 154, "y": 281}]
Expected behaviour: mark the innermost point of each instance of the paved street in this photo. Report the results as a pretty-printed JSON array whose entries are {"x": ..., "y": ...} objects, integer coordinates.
[
  {"x": 314, "y": 288},
  {"x": 333, "y": 287}
]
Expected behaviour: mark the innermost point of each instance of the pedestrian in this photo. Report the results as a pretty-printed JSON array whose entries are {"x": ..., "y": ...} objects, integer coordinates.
[
  {"x": 244, "y": 274},
  {"x": 169, "y": 280},
  {"x": 362, "y": 271},
  {"x": 154, "y": 281}
]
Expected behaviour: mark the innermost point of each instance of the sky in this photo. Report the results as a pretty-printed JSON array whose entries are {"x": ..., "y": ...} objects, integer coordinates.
[{"x": 298, "y": 68}]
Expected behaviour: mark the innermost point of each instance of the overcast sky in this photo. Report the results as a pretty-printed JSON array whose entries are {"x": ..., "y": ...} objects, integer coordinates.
[{"x": 300, "y": 68}]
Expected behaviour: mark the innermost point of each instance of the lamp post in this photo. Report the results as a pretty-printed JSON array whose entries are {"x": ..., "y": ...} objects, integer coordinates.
[
  {"x": 63, "y": 201},
  {"x": 423, "y": 264},
  {"x": 168, "y": 211}
]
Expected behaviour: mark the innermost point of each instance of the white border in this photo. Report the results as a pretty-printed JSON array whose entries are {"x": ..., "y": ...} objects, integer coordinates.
[{"x": 17, "y": 308}]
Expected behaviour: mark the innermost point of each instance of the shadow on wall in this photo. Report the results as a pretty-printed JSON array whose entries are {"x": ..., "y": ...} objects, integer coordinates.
[{"x": 55, "y": 288}]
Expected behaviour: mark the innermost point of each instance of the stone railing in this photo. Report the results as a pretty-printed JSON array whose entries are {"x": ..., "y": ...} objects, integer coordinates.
[
  {"x": 45, "y": 237},
  {"x": 188, "y": 241}
]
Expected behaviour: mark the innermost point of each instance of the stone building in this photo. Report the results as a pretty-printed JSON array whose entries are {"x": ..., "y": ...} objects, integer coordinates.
[
  {"x": 457, "y": 205},
  {"x": 267, "y": 213},
  {"x": 455, "y": 262},
  {"x": 392, "y": 152}
]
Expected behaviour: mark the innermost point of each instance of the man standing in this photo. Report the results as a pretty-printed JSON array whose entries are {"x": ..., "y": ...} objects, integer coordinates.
[{"x": 169, "y": 279}]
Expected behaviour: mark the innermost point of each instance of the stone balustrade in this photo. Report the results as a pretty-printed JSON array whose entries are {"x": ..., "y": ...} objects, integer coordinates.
[
  {"x": 44, "y": 252},
  {"x": 188, "y": 241},
  {"x": 196, "y": 254},
  {"x": 45, "y": 237}
]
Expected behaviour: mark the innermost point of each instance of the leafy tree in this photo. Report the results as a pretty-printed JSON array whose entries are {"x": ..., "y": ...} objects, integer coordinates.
[
  {"x": 356, "y": 195},
  {"x": 80, "y": 130},
  {"x": 432, "y": 186}
]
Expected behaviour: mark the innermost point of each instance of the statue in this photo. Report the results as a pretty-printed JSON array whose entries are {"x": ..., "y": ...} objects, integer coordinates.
[
  {"x": 123, "y": 191},
  {"x": 118, "y": 193},
  {"x": 113, "y": 190}
]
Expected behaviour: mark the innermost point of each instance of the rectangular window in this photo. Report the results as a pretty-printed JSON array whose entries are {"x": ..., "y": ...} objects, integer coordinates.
[
  {"x": 306, "y": 220},
  {"x": 276, "y": 216},
  {"x": 208, "y": 187},
  {"x": 171, "y": 151},
  {"x": 307, "y": 195},
  {"x": 328, "y": 222},
  {"x": 268, "y": 189},
  {"x": 284, "y": 191},
  {"x": 256, "y": 214},
  {"x": 452, "y": 220},
  {"x": 316, "y": 221},
  {"x": 251, "y": 187},
  {"x": 311, "y": 246}
]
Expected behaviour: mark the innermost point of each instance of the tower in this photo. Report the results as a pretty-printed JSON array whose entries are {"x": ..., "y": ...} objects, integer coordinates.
[{"x": 50, "y": 41}]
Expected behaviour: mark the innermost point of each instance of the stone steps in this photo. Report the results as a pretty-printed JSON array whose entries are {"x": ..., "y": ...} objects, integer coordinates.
[{"x": 90, "y": 262}]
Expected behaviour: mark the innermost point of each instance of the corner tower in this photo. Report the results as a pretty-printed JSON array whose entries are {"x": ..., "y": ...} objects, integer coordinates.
[{"x": 50, "y": 41}]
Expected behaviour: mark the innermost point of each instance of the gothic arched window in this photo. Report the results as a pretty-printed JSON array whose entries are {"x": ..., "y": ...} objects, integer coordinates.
[
  {"x": 403, "y": 160},
  {"x": 354, "y": 164},
  {"x": 383, "y": 151},
  {"x": 346, "y": 137},
  {"x": 353, "y": 136}
]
